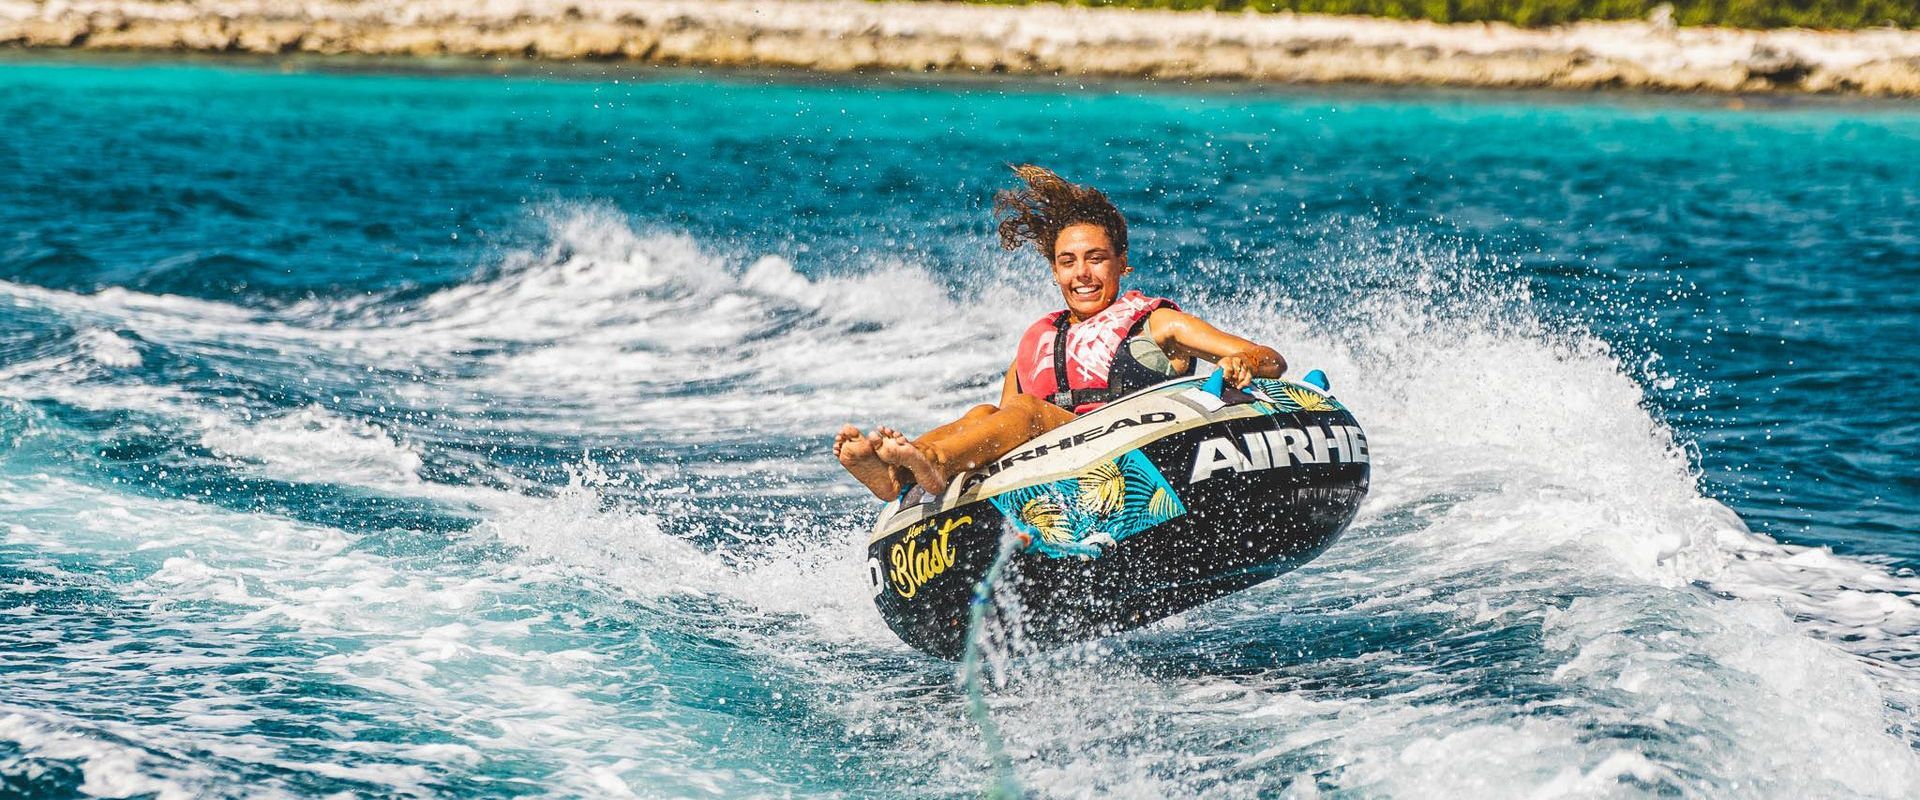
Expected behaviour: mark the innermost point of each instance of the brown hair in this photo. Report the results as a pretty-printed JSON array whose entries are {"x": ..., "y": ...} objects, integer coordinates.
[{"x": 1038, "y": 213}]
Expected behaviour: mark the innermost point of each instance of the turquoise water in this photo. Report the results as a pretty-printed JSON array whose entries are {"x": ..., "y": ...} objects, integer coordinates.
[{"x": 466, "y": 436}]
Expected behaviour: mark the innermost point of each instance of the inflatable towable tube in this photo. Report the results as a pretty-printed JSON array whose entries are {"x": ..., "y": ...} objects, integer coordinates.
[{"x": 1153, "y": 504}]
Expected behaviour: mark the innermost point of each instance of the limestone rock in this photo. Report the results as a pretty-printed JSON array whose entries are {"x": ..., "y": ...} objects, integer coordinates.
[{"x": 1043, "y": 39}]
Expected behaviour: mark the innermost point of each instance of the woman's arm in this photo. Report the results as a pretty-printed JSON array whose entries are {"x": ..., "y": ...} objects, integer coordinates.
[
  {"x": 1010, "y": 388},
  {"x": 1183, "y": 334}
]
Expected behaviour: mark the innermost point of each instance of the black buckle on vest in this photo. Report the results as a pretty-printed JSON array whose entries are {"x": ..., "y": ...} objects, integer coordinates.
[{"x": 1075, "y": 398}]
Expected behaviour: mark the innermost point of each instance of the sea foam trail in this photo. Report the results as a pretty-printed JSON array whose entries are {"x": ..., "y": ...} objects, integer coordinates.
[
  {"x": 468, "y": 675},
  {"x": 415, "y": 661},
  {"x": 617, "y": 322},
  {"x": 1536, "y": 601}
]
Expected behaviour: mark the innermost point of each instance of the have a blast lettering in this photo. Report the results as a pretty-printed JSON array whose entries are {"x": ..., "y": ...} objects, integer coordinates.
[{"x": 913, "y": 564}]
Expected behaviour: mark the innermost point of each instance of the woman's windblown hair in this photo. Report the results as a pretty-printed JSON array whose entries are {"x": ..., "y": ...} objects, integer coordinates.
[{"x": 1049, "y": 204}]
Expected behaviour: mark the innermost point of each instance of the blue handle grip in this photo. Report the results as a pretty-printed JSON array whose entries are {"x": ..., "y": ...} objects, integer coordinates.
[{"x": 1216, "y": 383}]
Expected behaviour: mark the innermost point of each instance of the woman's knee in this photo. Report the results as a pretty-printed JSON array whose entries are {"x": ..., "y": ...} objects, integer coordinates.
[
  {"x": 979, "y": 411},
  {"x": 1023, "y": 404},
  {"x": 1037, "y": 415},
  {"x": 1036, "y": 408}
]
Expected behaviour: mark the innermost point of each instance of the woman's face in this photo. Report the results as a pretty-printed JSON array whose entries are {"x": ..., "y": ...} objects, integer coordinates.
[{"x": 1087, "y": 269}]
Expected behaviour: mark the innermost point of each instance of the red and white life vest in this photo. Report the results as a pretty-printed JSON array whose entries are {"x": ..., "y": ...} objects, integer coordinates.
[{"x": 1091, "y": 346}]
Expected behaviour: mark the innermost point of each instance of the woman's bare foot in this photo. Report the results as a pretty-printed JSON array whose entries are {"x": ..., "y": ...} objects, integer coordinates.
[
  {"x": 856, "y": 454},
  {"x": 896, "y": 450},
  {"x": 902, "y": 477}
]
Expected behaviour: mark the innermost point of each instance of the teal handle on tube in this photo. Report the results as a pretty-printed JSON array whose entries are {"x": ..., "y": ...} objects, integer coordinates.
[{"x": 1216, "y": 383}]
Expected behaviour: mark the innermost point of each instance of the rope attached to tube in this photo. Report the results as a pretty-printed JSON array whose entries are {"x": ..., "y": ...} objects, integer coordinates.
[{"x": 1004, "y": 785}]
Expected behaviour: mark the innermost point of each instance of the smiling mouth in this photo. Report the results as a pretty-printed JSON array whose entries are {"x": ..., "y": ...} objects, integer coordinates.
[{"x": 1086, "y": 291}]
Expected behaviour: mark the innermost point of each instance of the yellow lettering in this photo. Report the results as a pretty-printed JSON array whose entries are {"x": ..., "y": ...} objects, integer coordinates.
[
  {"x": 914, "y": 567},
  {"x": 898, "y": 575}
]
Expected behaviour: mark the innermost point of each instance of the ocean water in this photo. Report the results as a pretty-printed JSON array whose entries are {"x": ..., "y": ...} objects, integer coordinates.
[{"x": 392, "y": 434}]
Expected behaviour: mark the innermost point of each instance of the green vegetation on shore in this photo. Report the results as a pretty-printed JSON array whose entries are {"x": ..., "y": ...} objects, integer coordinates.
[{"x": 1847, "y": 14}]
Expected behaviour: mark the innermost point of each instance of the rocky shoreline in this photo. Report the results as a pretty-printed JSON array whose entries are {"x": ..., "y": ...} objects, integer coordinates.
[{"x": 856, "y": 35}]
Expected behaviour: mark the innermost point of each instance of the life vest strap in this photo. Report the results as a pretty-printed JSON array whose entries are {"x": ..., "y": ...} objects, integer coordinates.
[{"x": 1060, "y": 325}]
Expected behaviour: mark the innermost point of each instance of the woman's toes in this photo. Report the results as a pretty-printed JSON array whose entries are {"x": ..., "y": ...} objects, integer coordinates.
[
  {"x": 849, "y": 445},
  {"x": 860, "y": 459}
]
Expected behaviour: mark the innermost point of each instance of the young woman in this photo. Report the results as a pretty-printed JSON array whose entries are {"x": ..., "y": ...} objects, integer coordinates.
[{"x": 1105, "y": 343}]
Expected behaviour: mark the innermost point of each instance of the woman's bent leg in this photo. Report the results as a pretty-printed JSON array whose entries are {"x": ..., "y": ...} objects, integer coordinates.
[
  {"x": 967, "y": 420},
  {"x": 996, "y": 434},
  {"x": 969, "y": 443}
]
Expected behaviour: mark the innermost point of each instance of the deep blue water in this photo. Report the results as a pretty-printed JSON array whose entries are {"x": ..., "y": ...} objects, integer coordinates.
[{"x": 465, "y": 435}]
